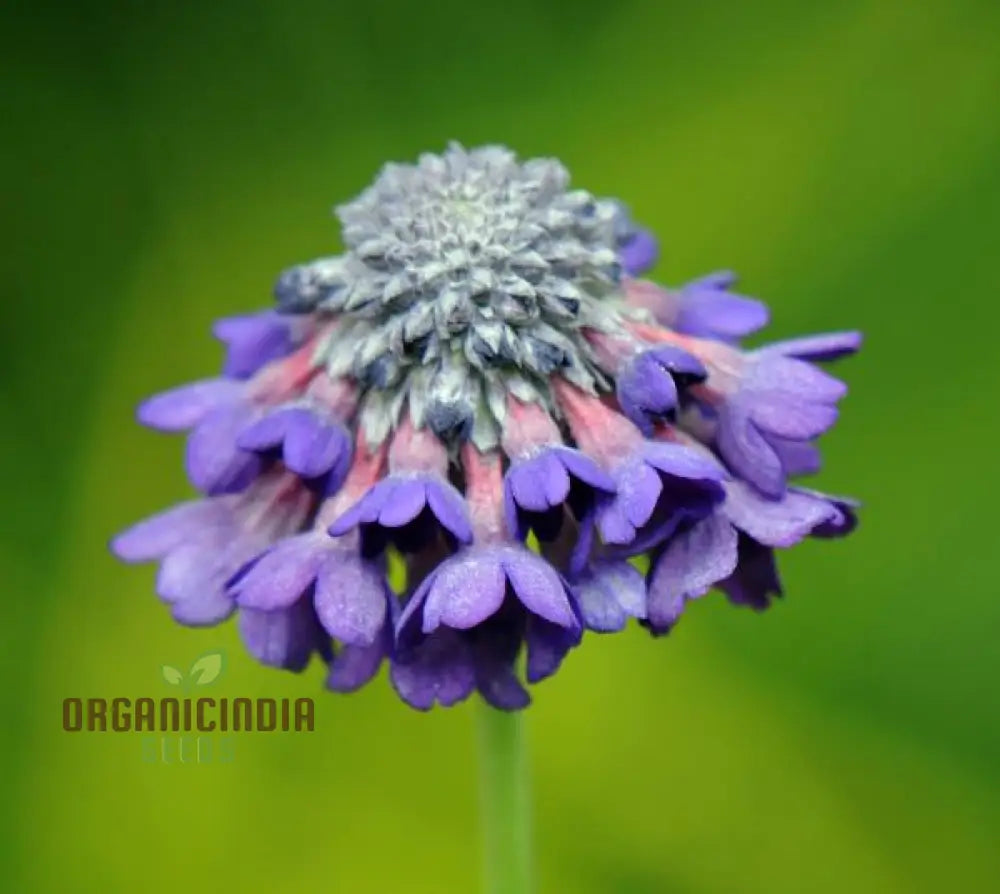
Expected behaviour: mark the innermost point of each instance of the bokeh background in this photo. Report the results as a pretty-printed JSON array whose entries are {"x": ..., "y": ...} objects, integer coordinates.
[{"x": 163, "y": 161}]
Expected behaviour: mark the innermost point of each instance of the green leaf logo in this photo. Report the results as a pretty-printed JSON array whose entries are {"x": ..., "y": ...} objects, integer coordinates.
[
  {"x": 173, "y": 676},
  {"x": 206, "y": 669}
]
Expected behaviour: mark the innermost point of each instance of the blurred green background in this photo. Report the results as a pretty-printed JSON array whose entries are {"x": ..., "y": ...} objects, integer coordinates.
[{"x": 163, "y": 161}]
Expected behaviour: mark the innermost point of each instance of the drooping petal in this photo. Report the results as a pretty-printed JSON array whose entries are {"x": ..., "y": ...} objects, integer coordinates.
[
  {"x": 755, "y": 580},
  {"x": 639, "y": 252},
  {"x": 708, "y": 309},
  {"x": 184, "y": 407},
  {"x": 691, "y": 562},
  {"x": 252, "y": 341},
  {"x": 351, "y": 598},
  {"x": 782, "y": 522},
  {"x": 609, "y": 593},
  {"x": 547, "y": 645},
  {"x": 353, "y": 666},
  {"x": 441, "y": 669},
  {"x": 819, "y": 348},
  {"x": 539, "y": 587},
  {"x": 215, "y": 464},
  {"x": 283, "y": 574},
  {"x": 466, "y": 590},
  {"x": 152, "y": 538},
  {"x": 284, "y": 638}
]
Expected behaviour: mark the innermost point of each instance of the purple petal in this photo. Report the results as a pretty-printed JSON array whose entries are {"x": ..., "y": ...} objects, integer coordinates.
[
  {"x": 584, "y": 469},
  {"x": 450, "y": 509},
  {"x": 364, "y": 511},
  {"x": 313, "y": 446},
  {"x": 182, "y": 408},
  {"x": 639, "y": 253},
  {"x": 351, "y": 599},
  {"x": 205, "y": 609},
  {"x": 267, "y": 433},
  {"x": 797, "y": 420},
  {"x": 539, "y": 587},
  {"x": 609, "y": 594},
  {"x": 638, "y": 491},
  {"x": 354, "y": 666},
  {"x": 797, "y": 457},
  {"x": 467, "y": 590},
  {"x": 755, "y": 580},
  {"x": 283, "y": 638},
  {"x": 215, "y": 464},
  {"x": 538, "y": 483},
  {"x": 283, "y": 574},
  {"x": 795, "y": 378},
  {"x": 747, "y": 452},
  {"x": 781, "y": 522},
  {"x": 844, "y": 519},
  {"x": 152, "y": 538},
  {"x": 439, "y": 670},
  {"x": 830, "y": 346},
  {"x": 681, "y": 462},
  {"x": 547, "y": 645},
  {"x": 192, "y": 569},
  {"x": 646, "y": 391},
  {"x": 404, "y": 500},
  {"x": 252, "y": 341},
  {"x": 707, "y": 309},
  {"x": 692, "y": 562},
  {"x": 500, "y": 687}
]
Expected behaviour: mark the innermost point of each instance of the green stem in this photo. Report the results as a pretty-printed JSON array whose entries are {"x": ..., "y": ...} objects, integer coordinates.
[{"x": 506, "y": 802}]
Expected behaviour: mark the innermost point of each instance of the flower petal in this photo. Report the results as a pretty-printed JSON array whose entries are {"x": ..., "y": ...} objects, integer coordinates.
[
  {"x": 184, "y": 407},
  {"x": 539, "y": 587},
  {"x": 152, "y": 538},
  {"x": 284, "y": 638},
  {"x": 439, "y": 670},
  {"x": 781, "y": 522},
  {"x": 280, "y": 577},
  {"x": 692, "y": 562},
  {"x": 215, "y": 464},
  {"x": 609, "y": 594},
  {"x": 467, "y": 589},
  {"x": 351, "y": 598}
]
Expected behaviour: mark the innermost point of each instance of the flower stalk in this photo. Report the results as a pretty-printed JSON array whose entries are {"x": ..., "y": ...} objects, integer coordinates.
[{"x": 505, "y": 798}]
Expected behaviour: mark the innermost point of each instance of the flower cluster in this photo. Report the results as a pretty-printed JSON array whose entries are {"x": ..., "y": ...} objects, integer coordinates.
[{"x": 482, "y": 386}]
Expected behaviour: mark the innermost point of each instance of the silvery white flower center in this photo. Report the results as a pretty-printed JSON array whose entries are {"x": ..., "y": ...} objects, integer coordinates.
[{"x": 466, "y": 276}]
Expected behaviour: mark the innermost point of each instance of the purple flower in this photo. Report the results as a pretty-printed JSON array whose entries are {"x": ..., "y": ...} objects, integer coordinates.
[
  {"x": 309, "y": 441},
  {"x": 308, "y": 589},
  {"x": 200, "y": 545},
  {"x": 724, "y": 547},
  {"x": 285, "y": 638},
  {"x": 775, "y": 401},
  {"x": 658, "y": 486},
  {"x": 349, "y": 593},
  {"x": 253, "y": 340},
  {"x": 708, "y": 309},
  {"x": 704, "y": 307},
  {"x": 463, "y": 627},
  {"x": 537, "y": 489},
  {"x": 216, "y": 411},
  {"x": 647, "y": 385},
  {"x": 181, "y": 409},
  {"x": 477, "y": 374},
  {"x": 406, "y": 511}
]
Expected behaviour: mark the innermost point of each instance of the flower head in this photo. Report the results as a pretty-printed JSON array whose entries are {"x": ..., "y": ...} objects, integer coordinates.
[{"x": 481, "y": 386}]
